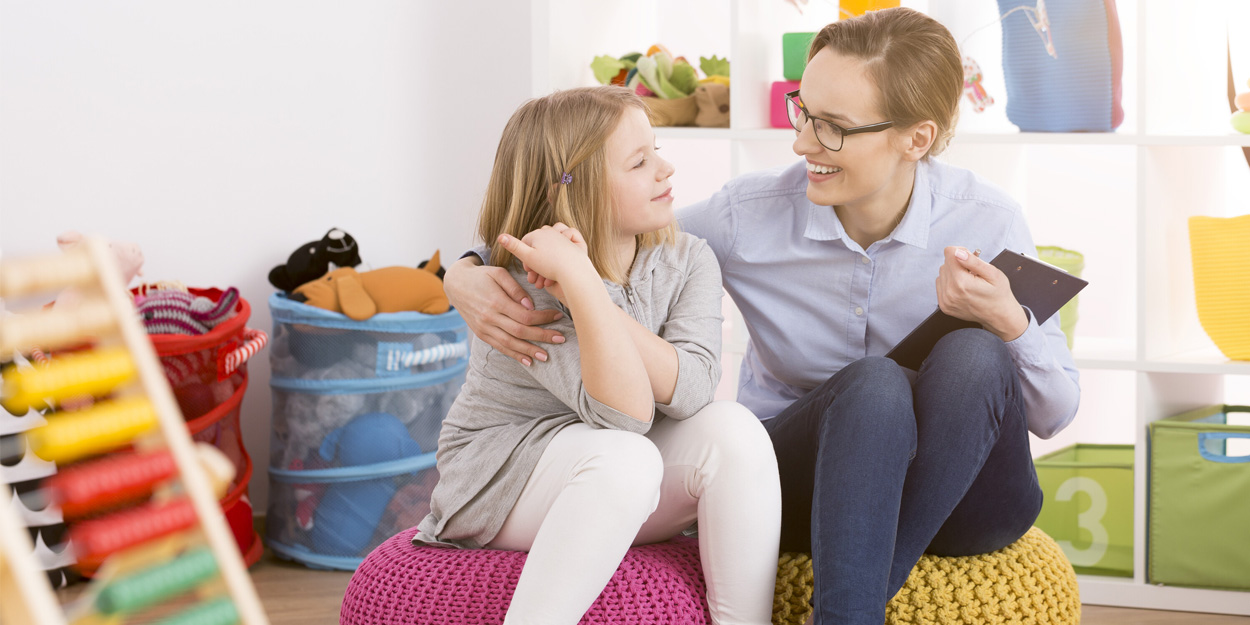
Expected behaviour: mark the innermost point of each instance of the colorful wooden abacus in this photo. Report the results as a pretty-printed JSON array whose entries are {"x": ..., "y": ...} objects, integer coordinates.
[{"x": 142, "y": 498}]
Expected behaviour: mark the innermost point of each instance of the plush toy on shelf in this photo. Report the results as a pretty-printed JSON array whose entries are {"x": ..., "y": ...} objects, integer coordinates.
[
  {"x": 712, "y": 94},
  {"x": 655, "y": 74},
  {"x": 856, "y": 8},
  {"x": 670, "y": 85},
  {"x": 614, "y": 71},
  {"x": 1241, "y": 118},
  {"x": 664, "y": 76},
  {"x": 361, "y": 295},
  {"x": 313, "y": 259},
  {"x": 977, "y": 95}
]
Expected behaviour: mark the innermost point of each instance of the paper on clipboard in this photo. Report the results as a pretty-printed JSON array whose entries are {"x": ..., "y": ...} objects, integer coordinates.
[{"x": 1039, "y": 286}]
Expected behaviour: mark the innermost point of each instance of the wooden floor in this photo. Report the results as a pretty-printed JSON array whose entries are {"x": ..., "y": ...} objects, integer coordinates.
[{"x": 295, "y": 595}]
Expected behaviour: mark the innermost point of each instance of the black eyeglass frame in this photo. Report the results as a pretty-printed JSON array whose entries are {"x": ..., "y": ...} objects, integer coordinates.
[{"x": 877, "y": 127}]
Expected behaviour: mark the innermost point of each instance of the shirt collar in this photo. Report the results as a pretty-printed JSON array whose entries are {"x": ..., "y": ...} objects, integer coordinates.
[
  {"x": 823, "y": 223},
  {"x": 914, "y": 229}
]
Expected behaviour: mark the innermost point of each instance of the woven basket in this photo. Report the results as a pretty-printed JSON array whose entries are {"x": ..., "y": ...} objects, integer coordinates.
[
  {"x": 675, "y": 112},
  {"x": 1221, "y": 274}
]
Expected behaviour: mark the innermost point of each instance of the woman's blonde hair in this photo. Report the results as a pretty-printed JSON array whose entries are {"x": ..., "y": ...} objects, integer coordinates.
[
  {"x": 563, "y": 133},
  {"x": 912, "y": 58}
]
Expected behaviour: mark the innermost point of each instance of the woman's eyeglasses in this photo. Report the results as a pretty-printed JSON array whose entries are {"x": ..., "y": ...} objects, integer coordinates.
[{"x": 828, "y": 133}]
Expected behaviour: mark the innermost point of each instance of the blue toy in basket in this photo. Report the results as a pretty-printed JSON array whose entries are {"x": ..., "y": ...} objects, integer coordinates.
[{"x": 349, "y": 511}]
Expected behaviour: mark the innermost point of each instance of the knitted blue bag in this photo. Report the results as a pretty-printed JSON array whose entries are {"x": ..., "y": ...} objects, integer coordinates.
[{"x": 1080, "y": 90}]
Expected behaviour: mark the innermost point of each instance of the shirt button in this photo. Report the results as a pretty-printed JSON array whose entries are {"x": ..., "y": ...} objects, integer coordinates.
[
  {"x": 859, "y": 311},
  {"x": 864, "y": 259}
]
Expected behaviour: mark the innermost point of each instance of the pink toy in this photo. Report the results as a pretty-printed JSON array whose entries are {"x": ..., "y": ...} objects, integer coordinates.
[
  {"x": 307, "y": 496},
  {"x": 777, "y": 117},
  {"x": 411, "y": 502},
  {"x": 129, "y": 263},
  {"x": 976, "y": 93},
  {"x": 398, "y": 583}
]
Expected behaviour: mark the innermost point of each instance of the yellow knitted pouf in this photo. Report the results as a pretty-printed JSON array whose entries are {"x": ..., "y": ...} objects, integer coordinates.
[{"x": 1028, "y": 581}]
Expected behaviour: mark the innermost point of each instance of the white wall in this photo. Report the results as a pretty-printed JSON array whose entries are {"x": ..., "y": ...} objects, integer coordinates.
[{"x": 221, "y": 135}]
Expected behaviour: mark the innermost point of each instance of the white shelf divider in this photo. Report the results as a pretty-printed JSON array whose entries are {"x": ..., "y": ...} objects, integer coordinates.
[
  {"x": 1129, "y": 593},
  {"x": 985, "y": 138}
]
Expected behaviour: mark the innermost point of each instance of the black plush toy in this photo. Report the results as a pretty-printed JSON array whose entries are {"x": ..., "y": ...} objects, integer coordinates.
[{"x": 312, "y": 260}]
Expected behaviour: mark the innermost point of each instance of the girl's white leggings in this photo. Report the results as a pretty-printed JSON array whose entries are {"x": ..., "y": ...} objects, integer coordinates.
[{"x": 595, "y": 492}]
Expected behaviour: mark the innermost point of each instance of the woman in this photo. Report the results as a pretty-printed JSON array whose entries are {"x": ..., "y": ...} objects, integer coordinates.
[
  {"x": 832, "y": 261},
  {"x": 610, "y": 440}
]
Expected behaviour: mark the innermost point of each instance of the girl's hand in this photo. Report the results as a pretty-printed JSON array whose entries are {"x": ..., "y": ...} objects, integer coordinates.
[
  {"x": 552, "y": 254},
  {"x": 971, "y": 289},
  {"x": 553, "y": 287}
]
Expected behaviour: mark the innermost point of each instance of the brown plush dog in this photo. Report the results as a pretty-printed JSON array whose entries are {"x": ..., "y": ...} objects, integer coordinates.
[{"x": 361, "y": 295}]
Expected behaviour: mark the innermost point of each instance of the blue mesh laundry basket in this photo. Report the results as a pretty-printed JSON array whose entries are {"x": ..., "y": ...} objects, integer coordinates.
[{"x": 357, "y": 407}]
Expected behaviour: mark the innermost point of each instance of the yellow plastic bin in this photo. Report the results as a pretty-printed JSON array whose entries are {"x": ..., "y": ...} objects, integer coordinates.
[
  {"x": 1088, "y": 506},
  {"x": 1199, "y": 506},
  {"x": 1221, "y": 273}
]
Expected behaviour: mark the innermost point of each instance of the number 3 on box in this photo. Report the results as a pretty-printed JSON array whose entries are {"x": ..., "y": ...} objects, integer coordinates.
[{"x": 1090, "y": 519}]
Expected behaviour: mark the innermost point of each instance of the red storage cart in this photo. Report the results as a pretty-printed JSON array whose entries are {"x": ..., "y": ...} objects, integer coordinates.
[{"x": 208, "y": 375}]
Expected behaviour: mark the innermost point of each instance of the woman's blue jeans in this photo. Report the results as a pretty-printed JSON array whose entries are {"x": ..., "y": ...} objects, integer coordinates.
[{"x": 877, "y": 470}]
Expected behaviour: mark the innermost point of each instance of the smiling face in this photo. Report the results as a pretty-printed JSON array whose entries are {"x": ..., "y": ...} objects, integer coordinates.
[
  {"x": 642, "y": 198},
  {"x": 839, "y": 88}
]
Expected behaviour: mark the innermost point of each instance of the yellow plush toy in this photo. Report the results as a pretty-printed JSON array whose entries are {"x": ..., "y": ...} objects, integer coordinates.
[{"x": 361, "y": 295}]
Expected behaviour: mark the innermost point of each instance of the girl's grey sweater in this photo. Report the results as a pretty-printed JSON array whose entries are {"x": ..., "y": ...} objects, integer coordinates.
[{"x": 507, "y": 413}]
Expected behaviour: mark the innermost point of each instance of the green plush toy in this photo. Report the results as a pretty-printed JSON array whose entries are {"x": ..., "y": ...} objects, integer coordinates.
[
  {"x": 671, "y": 87},
  {"x": 657, "y": 73},
  {"x": 614, "y": 71},
  {"x": 716, "y": 69},
  {"x": 666, "y": 78}
]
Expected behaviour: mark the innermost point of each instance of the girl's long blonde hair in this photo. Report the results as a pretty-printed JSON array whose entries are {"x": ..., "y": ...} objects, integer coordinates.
[
  {"x": 547, "y": 137},
  {"x": 913, "y": 59}
]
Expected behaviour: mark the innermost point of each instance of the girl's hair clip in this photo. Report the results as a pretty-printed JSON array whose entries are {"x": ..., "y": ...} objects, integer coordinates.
[{"x": 566, "y": 178}]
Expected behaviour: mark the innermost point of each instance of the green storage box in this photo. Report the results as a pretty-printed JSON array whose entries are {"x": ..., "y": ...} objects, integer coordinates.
[
  {"x": 1088, "y": 506},
  {"x": 1199, "y": 520},
  {"x": 794, "y": 54}
]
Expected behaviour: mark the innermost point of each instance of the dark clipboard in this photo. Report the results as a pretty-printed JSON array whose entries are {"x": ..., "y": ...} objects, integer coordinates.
[{"x": 1041, "y": 287}]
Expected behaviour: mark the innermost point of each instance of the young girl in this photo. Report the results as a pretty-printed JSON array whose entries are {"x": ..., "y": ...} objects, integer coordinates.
[
  {"x": 832, "y": 261},
  {"x": 610, "y": 440}
]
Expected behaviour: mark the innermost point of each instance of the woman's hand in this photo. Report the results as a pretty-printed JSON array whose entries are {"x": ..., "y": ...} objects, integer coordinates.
[
  {"x": 971, "y": 289},
  {"x": 498, "y": 311}
]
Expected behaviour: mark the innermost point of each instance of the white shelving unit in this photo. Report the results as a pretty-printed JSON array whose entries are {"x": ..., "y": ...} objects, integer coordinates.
[{"x": 1120, "y": 198}]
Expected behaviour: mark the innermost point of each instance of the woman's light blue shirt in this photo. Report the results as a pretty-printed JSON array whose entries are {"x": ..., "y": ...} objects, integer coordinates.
[{"x": 814, "y": 301}]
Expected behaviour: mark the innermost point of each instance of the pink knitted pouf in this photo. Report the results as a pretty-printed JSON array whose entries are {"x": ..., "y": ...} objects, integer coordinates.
[{"x": 399, "y": 583}]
